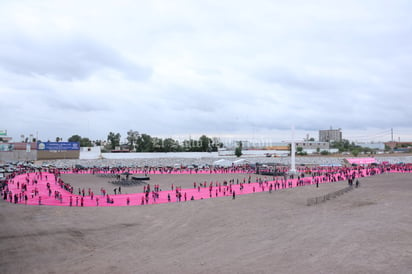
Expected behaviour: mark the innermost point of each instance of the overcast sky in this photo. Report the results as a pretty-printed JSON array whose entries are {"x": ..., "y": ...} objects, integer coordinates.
[{"x": 241, "y": 69}]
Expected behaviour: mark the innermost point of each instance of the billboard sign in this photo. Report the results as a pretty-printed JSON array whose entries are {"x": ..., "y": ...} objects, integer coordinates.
[
  {"x": 6, "y": 147},
  {"x": 58, "y": 146},
  {"x": 3, "y": 132}
]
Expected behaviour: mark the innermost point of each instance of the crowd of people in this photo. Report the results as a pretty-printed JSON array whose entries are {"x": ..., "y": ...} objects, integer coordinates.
[
  {"x": 157, "y": 170},
  {"x": 47, "y": 187}
]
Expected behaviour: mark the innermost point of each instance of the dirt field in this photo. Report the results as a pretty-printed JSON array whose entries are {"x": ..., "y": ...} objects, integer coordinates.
[{"x": 367, "y": 230}]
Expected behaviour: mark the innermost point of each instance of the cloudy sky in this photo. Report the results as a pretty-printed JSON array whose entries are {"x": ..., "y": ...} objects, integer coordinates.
[{"x": 232, "y": 69}]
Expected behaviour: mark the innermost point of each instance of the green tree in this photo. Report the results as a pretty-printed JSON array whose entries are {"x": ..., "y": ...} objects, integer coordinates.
[
  {"x": 114, "y": 139},
  {"x": 144, "y": 143},
  {"x": 346, "y": 146},
  {"x": 75, "y": 138},
  {"x": 216, "y": 143},
  {"x": 132, "y": 137},
  {"x": 205, "y": 143},
  {"x": 324, "y": 152},
  {"x": 170, "y": 145},
  {"x": 300, "y": 151},
  {"x": 192, "y": 145},
  {"x": 157, "y": 144},
  {"x": 238, "y": 150},
  {"x": 85, "y": 142}
]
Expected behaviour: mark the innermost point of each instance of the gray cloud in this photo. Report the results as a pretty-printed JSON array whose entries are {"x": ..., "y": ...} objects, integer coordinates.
[
  {"x": 64, "y": 58},
  {"x": 190, "y": 68}
]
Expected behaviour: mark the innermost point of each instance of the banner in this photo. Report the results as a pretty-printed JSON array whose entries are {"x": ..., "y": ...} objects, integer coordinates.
[{"x": 58, "y": 146}]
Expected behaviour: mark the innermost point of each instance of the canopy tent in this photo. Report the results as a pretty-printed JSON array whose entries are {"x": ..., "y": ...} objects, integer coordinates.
[
  {"x": 222, "y": 163},
  {"x": 241, "y": 162},
  {"x": 361, "y": 161},
  {"x": 330, "y": 165}
]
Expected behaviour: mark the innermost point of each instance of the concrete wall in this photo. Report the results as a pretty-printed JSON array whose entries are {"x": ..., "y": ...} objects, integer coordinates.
[
  {"x": 256, "y": 152},
  {"x": 50, "y": 155},
  {"x": 154, "y": 155},
  {"x": 18, "y": 155}
]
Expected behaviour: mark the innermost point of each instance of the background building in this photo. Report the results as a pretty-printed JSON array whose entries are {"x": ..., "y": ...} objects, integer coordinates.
[{"x": 330, "y": 135}]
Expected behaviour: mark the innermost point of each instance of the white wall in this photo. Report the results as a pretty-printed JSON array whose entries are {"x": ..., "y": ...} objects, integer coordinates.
[{"x": 90, "y": 153}]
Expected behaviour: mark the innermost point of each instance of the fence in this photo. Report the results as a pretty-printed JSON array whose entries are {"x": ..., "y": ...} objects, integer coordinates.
[{"x": 324, "y": 198}]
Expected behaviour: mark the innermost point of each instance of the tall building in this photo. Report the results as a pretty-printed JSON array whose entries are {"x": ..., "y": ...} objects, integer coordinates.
[{"x": 330, "y": 135}]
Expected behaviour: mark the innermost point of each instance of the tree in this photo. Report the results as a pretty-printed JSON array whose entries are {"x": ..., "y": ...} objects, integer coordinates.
[
  {"x": 188, "y": 145},
  {"x": 216, "y": 144},
  {"x": 346, "y": 146},
  {"x": 75, "y": 138},
  {"x": 132, "y": 137},
  {"x": 170, "y": 145},
  {"x": 300, "y": 151},
  {"x": 192, "y": 145},
  {"x": 114, "y": 139},
  {"x": 311, "y": 139},
  {"x": 85, "y": 142},
  {"x": 205, "y": 143},
  {"x": 144, "y": 143},
  {"x": 157, "y": 144},
  {"x": 238, "y": 150}
]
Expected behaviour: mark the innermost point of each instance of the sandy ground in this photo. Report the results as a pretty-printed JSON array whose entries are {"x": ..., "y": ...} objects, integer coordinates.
[{"x": 367, "y": 230}]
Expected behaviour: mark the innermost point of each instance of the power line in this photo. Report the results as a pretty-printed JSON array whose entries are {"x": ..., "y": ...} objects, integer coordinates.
[{"x": 372, "y": 136}]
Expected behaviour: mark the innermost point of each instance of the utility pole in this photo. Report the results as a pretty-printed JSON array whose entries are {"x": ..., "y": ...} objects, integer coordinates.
[
  {"x": 292, "y": 152},
  {"x": 392, "y": 134}
]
